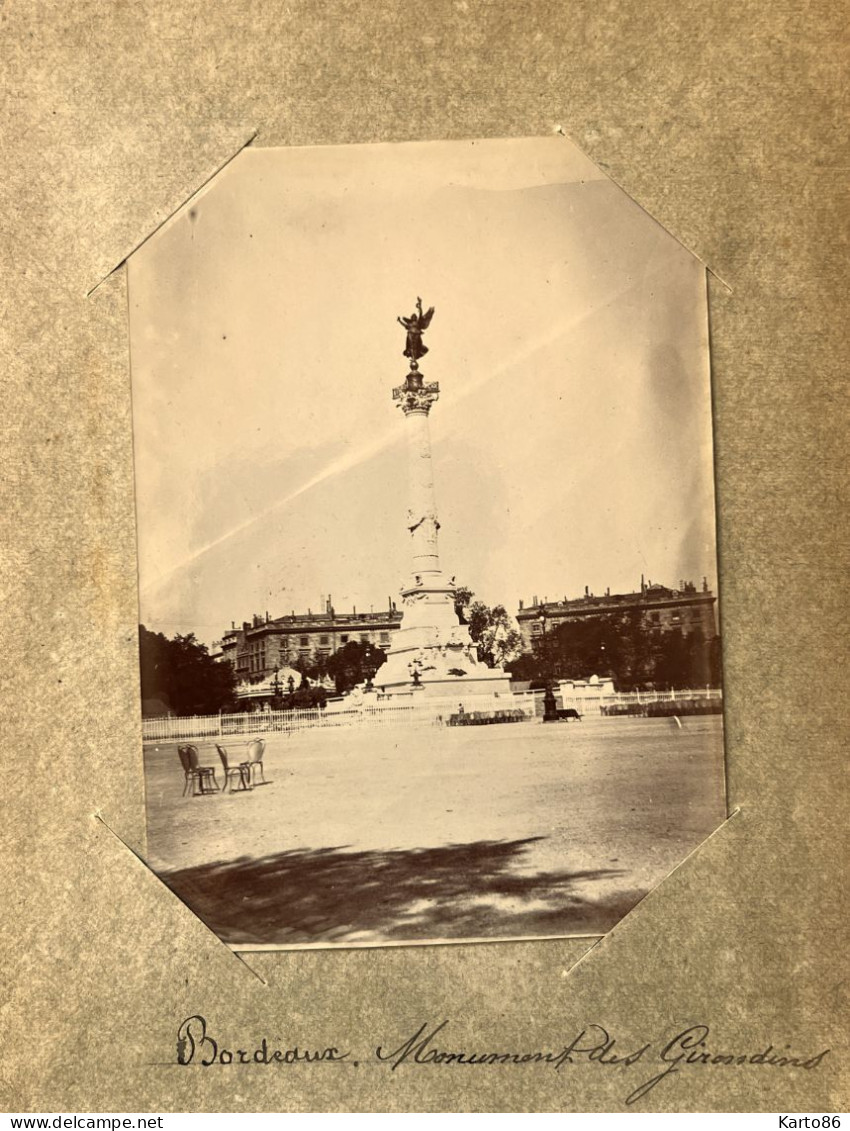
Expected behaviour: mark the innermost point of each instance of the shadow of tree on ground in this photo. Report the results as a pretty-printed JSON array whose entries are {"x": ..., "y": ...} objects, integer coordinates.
[{"x": 455, "y": 891}]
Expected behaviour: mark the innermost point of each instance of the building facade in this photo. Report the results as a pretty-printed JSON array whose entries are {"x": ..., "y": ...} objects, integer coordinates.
[
  {"x": 661, "y": 610},
  {"x": 265, "y": 644}
]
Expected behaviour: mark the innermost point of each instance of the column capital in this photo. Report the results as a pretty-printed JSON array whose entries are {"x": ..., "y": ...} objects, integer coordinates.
[{"x": 415, "y": 395}]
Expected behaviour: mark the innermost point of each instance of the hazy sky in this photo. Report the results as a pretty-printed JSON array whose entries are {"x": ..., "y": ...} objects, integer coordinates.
[{"x": 572, "y": 438}]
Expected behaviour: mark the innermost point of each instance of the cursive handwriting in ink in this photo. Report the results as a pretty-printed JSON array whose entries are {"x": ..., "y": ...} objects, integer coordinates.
[
  {"x": 691, "y": 1047},
  {"x": 594, "y": 1043},
  {"x": 196, "y": 1046}
]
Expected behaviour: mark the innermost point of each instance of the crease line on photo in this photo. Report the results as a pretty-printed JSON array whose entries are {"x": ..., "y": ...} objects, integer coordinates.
[{"x": 390, "y": 436}]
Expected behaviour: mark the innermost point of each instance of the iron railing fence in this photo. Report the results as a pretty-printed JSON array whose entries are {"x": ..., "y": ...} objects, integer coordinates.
[{"x": 423, "y": 712}]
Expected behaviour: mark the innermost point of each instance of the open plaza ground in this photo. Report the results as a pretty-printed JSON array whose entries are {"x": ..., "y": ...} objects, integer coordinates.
[{"x": 388, "y": 834}]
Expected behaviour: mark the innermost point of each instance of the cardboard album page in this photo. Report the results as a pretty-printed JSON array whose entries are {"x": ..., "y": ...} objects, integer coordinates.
[{"x": 422, "y": 531}]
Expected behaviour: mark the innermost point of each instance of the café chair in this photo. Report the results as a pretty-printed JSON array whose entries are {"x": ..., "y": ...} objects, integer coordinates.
[
  {"x": 242, "y": 771},
  {"x": 200, "y": 779},
  {"x": 256, "y": 750}
]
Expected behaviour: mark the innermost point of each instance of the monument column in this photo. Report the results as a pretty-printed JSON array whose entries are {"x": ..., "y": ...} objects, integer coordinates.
[
  {"x": 415, "y": 400},
  {"x": 431, "y": 650},
  {"x": 428, "y": 599},
  {"x": 422, "y": 514}
]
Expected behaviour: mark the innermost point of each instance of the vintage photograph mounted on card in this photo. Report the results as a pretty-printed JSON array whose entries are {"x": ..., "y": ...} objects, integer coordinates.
[{"x": 429, "y": 632}]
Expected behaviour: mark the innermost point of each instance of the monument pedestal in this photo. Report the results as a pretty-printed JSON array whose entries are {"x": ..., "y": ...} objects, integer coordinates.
[
  {"x": 432, "y": 643},
  {"x": 446, "y": 662}
]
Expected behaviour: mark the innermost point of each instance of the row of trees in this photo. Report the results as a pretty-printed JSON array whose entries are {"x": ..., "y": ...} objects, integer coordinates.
[
  {"x": 355, "y": 662},
  {"x": 626, "y": 649},
  {"x": 180, "y": 676},
  {"x": 623, "y": 647}
]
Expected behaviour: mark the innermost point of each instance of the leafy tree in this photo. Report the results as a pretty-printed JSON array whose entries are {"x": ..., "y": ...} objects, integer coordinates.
[
  {"x": 492, "y": 629},
  {"x": 182, "y": 675},
  {"x": 625, "y": 647},
  {"x": 313, "y": 667},
  {"x": 571, "y": 651},
  {"x": 463, "y": 599},
  {"x": 307, "y": 697},
  {"x": 673, "y": 661},
  {"x": 501, "y": 640},
  {"x": 528, "y": 666},
  {"x": 347, "y": 667},
  {"x": 715, "y": 661},
  {"x": 306, "y": 665},
  {"x": 353, "y": 663},
  {"x": 320, "y": 665},
  {"x": 693, "y": 662}
]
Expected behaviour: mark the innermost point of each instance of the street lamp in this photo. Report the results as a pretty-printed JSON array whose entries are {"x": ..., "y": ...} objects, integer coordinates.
[
  {"x": 546, "y": 651},
  {"x": 550, "y": 706}
]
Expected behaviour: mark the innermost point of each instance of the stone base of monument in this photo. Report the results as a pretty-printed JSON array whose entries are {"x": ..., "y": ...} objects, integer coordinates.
[
  {"x": 438, "y": 662},
  {"x": 462, "y": 689}
]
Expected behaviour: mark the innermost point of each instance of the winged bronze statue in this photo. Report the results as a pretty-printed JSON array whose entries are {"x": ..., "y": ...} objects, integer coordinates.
[{"x": 416, "y": 325}]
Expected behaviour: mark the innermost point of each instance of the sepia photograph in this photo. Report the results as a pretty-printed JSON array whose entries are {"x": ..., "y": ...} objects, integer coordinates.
[{"x": 429, "y": 632}]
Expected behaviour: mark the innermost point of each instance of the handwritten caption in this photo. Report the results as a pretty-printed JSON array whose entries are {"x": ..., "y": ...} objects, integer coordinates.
[{"x": 429, "y": 1045}]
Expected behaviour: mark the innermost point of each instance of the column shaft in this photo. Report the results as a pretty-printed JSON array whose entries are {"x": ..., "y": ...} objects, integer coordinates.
[{"x": 422, "y": 514}]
